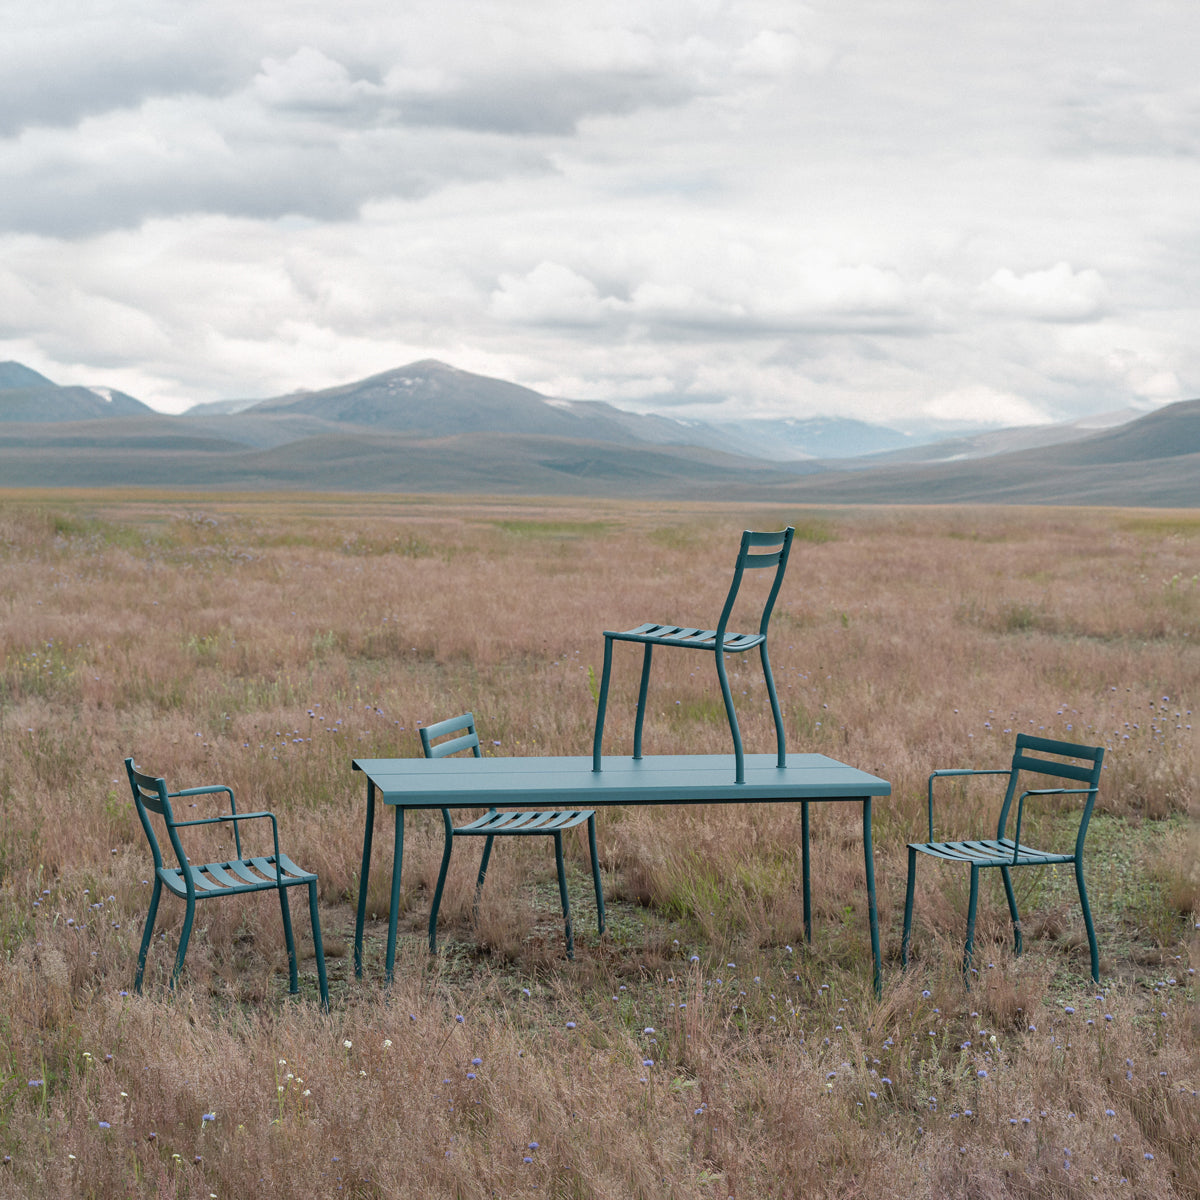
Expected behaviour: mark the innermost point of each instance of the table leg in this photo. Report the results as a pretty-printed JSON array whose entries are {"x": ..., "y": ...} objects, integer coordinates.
[
  {"x": 394, "y": 906},
  {"x": 805, "y": 859},
  {"x": 364, "y": 872},
  {"x": 869, "y": 858}
]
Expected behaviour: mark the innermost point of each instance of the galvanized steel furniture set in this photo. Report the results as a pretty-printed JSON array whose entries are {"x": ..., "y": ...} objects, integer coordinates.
[{"x": 444, "y": 781}]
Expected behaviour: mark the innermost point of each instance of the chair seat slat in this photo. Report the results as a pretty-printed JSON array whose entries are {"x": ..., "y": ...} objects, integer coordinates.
[
  {"x": 494, "y": 824},
  {"x": 218, "y": 872},
  {"x": 202, "y": 881},
  {"x": 682, "y": 635},
  {"x": 990, "y": 853},
  {"x": 253, "y": 878},
  {"x": 288, "y": 869}
]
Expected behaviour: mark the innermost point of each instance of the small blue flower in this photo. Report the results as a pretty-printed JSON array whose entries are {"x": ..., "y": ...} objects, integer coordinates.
[
  {"x": 460, "y": 1018},
  {"x": 104, "y": 1125},
  {"x": 475, "y": 1062},
  {"x": 533, "y": 1145},
  {"x": 212, "y": 1116},
  {"x": 570, "y": 1024}
]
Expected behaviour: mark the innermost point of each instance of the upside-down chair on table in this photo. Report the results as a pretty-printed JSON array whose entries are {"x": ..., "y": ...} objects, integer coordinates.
[{"x": 757, "y": 551}]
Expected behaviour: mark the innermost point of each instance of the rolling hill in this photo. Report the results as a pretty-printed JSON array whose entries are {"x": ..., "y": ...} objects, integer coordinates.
[
  {"x": 1153, "y": 461},
  {"x": 27, "y": 396},
  {"x": 428, "y": 427}
]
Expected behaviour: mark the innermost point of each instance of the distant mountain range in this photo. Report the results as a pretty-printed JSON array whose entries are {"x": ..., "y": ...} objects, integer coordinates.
[
  {"x": 27, "y": 396},
  {"x": 429, "y": 427}
]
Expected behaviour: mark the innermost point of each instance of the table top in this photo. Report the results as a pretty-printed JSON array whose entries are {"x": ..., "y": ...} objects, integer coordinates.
[{"x": 467, "y": 782}]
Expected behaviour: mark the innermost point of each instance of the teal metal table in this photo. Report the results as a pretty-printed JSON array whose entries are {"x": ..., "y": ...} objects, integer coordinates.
[{"x": 419, "y": 783}]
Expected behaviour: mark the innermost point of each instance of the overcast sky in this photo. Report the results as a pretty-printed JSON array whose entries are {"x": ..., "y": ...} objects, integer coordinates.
[{"x": 885, "y": 210}]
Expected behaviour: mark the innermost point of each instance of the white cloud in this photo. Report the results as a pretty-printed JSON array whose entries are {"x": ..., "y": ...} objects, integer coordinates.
[
  {"x": 309, "y": 79},
  {"x": 983, "y": 405},
  {"x": 550, "y": 294},
  {"x": 1056, "y": 293}
]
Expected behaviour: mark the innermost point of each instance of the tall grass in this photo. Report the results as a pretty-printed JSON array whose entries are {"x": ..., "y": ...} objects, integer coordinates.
[{"x": 700, "y": 1049}]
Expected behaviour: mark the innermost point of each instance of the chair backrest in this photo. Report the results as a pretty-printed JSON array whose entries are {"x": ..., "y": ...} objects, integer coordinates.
[
  {"x": 1029, "y": 757},
  {"x": 150, "y": 796},
  {"x": 464, "y": 737},
  {"x": 758, "y": 551}
]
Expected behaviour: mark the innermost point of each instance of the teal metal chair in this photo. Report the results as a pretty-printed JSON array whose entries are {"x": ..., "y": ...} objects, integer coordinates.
[
  {"x": 230, "y": 877},
  {"x": 462, "y": 737},
  {"x": 758, "y": 551},
  {"x": 1029, "y": 758}
]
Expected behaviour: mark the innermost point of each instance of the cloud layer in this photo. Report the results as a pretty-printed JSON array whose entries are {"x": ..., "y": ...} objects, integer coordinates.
[{"x": 890, "y": 211}]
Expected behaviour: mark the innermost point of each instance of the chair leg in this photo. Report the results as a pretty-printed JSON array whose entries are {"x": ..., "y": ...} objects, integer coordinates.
[
  {"x": 147, "y": 933},
  {"x": 483, "y": 866},
  {"x": 906, "y": 936},
  {"x": 562, "y": 891},
  {"x": 601, "y": 705},
  {"x": 591, "y": 827},
  {"x": 1087, "y": 920},
  {"x": 972, "y": 905},
  {"x": 781, "y": 750},
  {"x": 641, "y": 707},
  {"x": 184, "y": 937},
  {"x": 806, "y": 871},
  {"x": 1006, "y": 872},
  {"x": 389, "y": 960},
  {"x": 739, "y": 765},
  {"x": 318, "y": 945},
  {"x": 441, "y": 883},
  {"x": 289, "y": 938}
]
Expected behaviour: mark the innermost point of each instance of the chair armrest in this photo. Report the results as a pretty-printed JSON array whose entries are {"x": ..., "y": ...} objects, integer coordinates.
[
  {"x": 210, "y": 790},
  {"x": 1042, "y": 792},
  {"x": 202, "y": 791},
  {"x": 233, "y": 819},
  {"x": 236, "y": 817},
  {"x": 949, "y": 774}
]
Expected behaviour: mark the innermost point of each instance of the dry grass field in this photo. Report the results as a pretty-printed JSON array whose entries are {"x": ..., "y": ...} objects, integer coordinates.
[{"x": 701, "y": 1048}]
